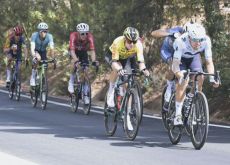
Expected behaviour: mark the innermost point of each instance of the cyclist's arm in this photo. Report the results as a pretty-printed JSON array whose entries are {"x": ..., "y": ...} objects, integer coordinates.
[
  {"x": 115, "y": 57},
  {"x": 51, "y": 45},
  {"x": 160, "y": 33},
  {"x": 6, "y": 47},
  {"x": 92, "y": 54},
  {"x": 72, "y": 41},
  {"x": 208, "y": 56},
  {"x": 32, "y": 45},
  {"x": 140, "y": 56},
  {"x": 25, "y": 50},
  {"x": 178, "y": 51}
]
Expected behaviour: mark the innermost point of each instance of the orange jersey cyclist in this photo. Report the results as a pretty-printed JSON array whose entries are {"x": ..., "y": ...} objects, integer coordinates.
[{"x": 123, "y": 54}]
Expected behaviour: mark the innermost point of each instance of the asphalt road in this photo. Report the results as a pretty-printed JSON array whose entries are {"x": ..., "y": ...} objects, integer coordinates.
[{"x": 57, "y": 136}]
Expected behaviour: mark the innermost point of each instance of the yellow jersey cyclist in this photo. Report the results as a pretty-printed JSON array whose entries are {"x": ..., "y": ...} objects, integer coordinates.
[
  {"x": 123, "y": 54},
  {"x": 187, "y": 56}
]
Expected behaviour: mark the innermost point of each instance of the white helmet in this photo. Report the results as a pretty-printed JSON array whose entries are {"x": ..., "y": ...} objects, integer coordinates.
[
  {"x": 82, "y": 27},
  {"x": 42, "y": 26},
  {"x": 196, "y": 31},
  {"x": 186, "y": 26}
]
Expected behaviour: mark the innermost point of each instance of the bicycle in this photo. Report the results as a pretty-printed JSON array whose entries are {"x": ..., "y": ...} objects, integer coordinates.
[
  {"x": 41, "y": 87},
  {"x": 195, "y": 117},
  {"x": 82, "y": 88},
  {"x": 15, "y": 80},
  {"x": 127, "y": 110}
]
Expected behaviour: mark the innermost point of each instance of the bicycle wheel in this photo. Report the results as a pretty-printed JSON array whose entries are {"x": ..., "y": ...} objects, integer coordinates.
[
  {"x": 137, "y": 86},
  {"x": 132, "y": 114},
  {"x": 174, "y": 132},
  {"x": 18, "y": 88},
  {"x": 11, "y": 89},
  {"x": 200, "y": 121},
  {"x": 164, "y": 114},
  {"x": 110, "y": 119},
  {"x": 86, "y": 105},
  {"x": 34, "y": 95},
  {"x": 44, "y": 91},
  {"x": 74, "y": 101}
]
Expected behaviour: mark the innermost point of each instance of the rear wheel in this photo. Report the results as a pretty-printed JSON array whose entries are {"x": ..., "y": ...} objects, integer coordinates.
[
  {"x": 164, "y": 114},
  {"x": 110, "y": 119},
  {"x": 174, "y": 132},
  {"x": 200, "y": 121},
  {"x": 86, "y": 101},
  {"x": 44, "y": 92},
  {"x": 132, "y": 114}
]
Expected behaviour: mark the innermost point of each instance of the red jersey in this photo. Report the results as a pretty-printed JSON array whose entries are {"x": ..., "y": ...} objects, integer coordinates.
[{"x": 75, "y": 42}]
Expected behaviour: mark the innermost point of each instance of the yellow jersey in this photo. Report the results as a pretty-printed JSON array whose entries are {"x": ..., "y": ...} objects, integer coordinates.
[{"x": 119, "y": 51}]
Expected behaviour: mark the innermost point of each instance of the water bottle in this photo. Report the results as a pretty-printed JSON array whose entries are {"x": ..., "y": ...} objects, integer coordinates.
[{"x": 187, "y": 104}]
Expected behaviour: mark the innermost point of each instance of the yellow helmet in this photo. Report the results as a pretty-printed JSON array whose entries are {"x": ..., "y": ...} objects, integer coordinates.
[{"x": 131, "y": 34}]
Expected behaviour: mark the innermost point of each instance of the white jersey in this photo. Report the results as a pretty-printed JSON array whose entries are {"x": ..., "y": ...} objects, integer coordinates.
[{"x": 184, "y": 49}]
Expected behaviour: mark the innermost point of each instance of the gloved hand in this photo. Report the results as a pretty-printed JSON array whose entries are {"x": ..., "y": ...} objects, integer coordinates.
[
  {"x": 215, "y": 83},
  {"x": 175, "y": 35},
  {"x": 35, "y": 60},
  {"x": 146, "y": 72},
  {"x": 121, "y": 72}
]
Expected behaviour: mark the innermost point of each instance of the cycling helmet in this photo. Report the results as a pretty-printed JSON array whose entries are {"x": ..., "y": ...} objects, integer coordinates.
[
  {"x": 131, "y": 34},
  {"x": 196, "y": 31},
  {"x": 82, "y": 27},
  {"x": 18, "y": 30},
  {"x": 42, "y": 26}
]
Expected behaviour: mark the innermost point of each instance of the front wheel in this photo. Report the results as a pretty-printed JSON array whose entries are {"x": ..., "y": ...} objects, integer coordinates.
[
  {"x": 34, "y": 95},
  {"x": 18, "y": 90},
  {"x": 139, "y": 91},
  {"x": 11, "y": 89},
  {"x": 200, "y": 121},
  {"x": 44, "y": 92},
  {"x": 86, "y": 96},
  {"x": 132, "y": 114}
]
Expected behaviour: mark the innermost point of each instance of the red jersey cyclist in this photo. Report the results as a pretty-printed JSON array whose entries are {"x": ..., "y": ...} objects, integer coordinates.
[{"x": 81, "y": 45}]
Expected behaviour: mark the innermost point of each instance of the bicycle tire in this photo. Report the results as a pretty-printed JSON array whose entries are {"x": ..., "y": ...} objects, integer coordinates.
[
  {"x": 139, "y": 91},
  {"x": 200, "y": 116},
  {"x": 34, "y": 95},
  {"x": 110, "y": 120},
  {"x": 164, "y": 114},
  {"x": 44, "y": 91},
  {"x": 18, "y": 88},
  {"x": 174, "y": 132},
  {"x": 132, "y": 114},
  {"x": 86, "y": 107},
  {"x": 74, "y": 101}
]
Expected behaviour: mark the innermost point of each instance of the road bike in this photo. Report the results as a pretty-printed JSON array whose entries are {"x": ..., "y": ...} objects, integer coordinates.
[
  {"x": 41, "y": 87},
  {"x": 127, "y": 108},
  {"x": 195, "y": 116}
]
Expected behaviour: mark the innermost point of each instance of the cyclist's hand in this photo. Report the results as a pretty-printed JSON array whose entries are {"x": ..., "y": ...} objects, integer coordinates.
[
  {"x": 181, "y": 79},
  {"x": 175, "y": 35},
  {"x": 121, "y": 72},
  {"x": 76, "y": 63},
  {"x": 215, "y": 83},
  {"x": 35, "y": 60},
  {"x": 146, "y": 72}
]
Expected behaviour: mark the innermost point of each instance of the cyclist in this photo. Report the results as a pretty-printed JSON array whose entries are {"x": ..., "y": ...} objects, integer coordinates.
[
  {"x": 187, "y": 56},
  {"x": 13, "y": 49},
  {"x": 124, "y": 52},
  {"x": 167, "y": 53},
  {"x": 39, "y": 42},
  {"x": 81, "y": 45}
]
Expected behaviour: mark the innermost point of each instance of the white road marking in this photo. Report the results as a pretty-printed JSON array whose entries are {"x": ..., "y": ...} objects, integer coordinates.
[{"x": 101, "y": 112}]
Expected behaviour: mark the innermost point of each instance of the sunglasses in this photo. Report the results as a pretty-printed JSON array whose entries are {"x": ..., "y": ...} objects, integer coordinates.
[
  {"x": 129, "y": 42},
  {"x": 44, "y": 31},
  {"x": 82, "y": 34},
  {"x": 197, "y": 39}
]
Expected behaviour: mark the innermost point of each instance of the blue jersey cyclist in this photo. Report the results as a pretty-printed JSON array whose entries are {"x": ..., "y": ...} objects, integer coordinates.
[
  {"x": 39, "y": 42},
  {"x": 13, "y": 49},
  {"x": 188, "y": 48},
  {"x": 166, "y": 53}
]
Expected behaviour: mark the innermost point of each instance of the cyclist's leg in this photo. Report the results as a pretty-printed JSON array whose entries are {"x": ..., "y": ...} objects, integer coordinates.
[
  {"x": 34, "y": 68},
  {"x": 196, "y": 65},
  {"x": 166, "y": 56},
  {"x": 8, "y": 69},
  {"x": 180, "y": 93},
  {"x": 83, "y": 58}
]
